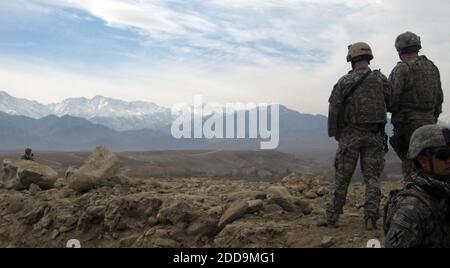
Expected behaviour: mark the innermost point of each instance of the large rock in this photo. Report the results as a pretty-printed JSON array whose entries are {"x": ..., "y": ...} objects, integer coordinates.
[
  {"x": 234, "y": 212},
  {"x": 280, "y": 196},
  {"x": 238, "y": 209},
  {"x": 20, "y": 174},
  {"x": 102, "y": 166},
  {"x": 178, "y": 212}
]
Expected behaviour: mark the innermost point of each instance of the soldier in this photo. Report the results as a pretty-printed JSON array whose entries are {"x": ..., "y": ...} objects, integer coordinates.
[
  {"x": 28, "y": 155},
  {"x": 419, "y": 215},
  {"x": 417, "y": 95},
  {"x": 357, "y": 119}
]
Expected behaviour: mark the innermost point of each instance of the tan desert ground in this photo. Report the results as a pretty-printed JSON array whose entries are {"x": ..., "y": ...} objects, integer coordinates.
[{"x": 102, "y": 202}]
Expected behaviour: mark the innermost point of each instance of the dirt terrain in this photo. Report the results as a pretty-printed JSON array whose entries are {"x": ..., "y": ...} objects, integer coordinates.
[
  {"x": 183, "y": 212},
  {"x": 247, "y": 165}
]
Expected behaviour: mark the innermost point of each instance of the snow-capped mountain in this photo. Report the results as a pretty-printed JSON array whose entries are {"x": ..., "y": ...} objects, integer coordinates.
[
  {"x": 116, "y": 114},
  {"x": 14, "y": 106},
  {"x": 104, "y": 107}
]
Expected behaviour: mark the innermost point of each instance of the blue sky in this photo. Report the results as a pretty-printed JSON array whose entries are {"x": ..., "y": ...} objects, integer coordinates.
[{"x": 285, "y": 51}]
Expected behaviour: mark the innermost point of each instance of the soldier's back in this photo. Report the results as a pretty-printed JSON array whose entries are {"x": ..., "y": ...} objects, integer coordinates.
[
  {"x": 367, "y": 105},
  {"x": 421, "y": 93}
]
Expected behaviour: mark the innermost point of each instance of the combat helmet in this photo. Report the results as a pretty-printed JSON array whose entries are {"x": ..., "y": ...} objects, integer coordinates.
[
  {"x": 359, "y": 51},
  {"x": 408, "y": 41},
  {"x": 428, "y": 137}
]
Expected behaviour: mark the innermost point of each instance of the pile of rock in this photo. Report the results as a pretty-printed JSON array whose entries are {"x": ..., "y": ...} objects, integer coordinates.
[{"x": 93, "y": 203}]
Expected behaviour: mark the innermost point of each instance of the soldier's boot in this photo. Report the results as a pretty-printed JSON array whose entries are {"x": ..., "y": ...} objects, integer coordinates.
[
  {"x": 373, "y": 223},
  {"x": 329, "y": 221}
]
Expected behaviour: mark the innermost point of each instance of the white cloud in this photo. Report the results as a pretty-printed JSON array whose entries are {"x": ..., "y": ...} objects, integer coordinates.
[{"x": 287, "y": 51}]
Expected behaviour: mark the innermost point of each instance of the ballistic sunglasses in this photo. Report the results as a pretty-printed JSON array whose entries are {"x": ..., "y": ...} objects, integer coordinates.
[{"x": 443, "y": 154}]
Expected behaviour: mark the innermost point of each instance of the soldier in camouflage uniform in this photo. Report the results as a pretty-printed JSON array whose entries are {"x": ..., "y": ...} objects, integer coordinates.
[
  {"x": 28, "y": 155},
  {"x": 419, "y": 215},
  {"x": 417, "y": 95},
  {"x": 357, "y": 119}
]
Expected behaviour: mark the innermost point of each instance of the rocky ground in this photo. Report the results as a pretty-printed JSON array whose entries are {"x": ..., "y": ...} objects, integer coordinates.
[{"x": 181, "y": 212}]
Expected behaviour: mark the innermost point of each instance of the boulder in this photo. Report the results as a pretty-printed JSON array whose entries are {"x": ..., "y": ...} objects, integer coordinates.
[
  {"x": 238, "y": 209},
  {"x": 234, "y": 212},
  {"x": 178, "y": 212},
  {"x": 284, "y": 203},
  {"x": 101, "y": 166},
  {"x": 20, "y": 174},
  {"x": 280, "y": 195}
]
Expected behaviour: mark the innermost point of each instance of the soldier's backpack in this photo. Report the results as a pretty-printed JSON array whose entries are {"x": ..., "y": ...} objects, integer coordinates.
[
  {"x": 424, "y": 85},
  {"x": 366, "y": 104}
]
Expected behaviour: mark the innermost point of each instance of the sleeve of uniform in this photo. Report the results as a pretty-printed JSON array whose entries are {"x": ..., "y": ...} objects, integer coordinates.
[
  {"x": 407, "y": 228},
  {"x": 388, "y": 93},
  {"x": 334, "y": 110},
  {"x": 400, "y": 80},
  {"x": 439, "y": 97}
]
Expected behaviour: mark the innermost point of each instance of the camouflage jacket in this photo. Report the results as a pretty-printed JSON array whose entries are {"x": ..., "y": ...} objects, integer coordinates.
[
  {"x": 366, "y": 106},
  {"x": 417, "y": 91},
  {"x": 418, "y": 216}
]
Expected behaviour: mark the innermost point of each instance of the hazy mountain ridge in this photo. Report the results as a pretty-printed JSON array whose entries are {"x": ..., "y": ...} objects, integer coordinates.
[
  {"x": 122, "y": 115},
  {"x": 116, "y": 114},
  {"x": 130, "y": 129},
  {"x": 67, "y": 133}
]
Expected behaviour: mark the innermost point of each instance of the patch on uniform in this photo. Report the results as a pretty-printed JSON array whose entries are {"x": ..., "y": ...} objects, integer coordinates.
[{"x": 395, "y": 238}]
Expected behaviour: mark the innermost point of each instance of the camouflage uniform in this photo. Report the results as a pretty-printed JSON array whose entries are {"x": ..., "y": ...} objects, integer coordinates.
[
  {"x": 420, "y": 215},
  {"x": 362, "y": 134},
  {"x": 27, "y": 157},
  {"x": 416, "y": 101}
]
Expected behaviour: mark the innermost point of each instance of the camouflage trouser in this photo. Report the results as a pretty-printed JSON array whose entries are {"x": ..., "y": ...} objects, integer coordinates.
[
  {"x": 355, "y": 144},
  {"x": 400, "y": 143}
]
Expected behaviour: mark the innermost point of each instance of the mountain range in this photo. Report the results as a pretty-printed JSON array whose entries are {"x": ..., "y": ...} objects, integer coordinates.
[
  {"x": 116, "y": 114},
  {"x": 80, "y": 124}
]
